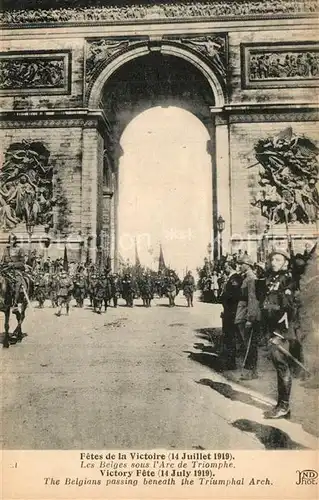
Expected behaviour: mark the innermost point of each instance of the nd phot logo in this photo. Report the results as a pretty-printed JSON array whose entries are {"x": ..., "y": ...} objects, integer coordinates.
[{"x": 307, "y": 477}]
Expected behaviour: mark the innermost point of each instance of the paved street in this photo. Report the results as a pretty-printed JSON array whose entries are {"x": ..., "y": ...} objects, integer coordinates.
[{"x": 134, "y": 378}]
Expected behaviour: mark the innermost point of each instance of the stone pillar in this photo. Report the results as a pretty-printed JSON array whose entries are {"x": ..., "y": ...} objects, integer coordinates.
[
  {"x": 222, "y": 179},
  {"x": 106, "y": 223},
  {"x": 92, "y": 183}
]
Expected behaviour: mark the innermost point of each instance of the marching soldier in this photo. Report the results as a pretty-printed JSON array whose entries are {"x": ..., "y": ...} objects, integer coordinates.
[
  {"x": 65, "y": 287},
  {"x": 92, "y": 281},
  {"x": 189, "y": 287},
  {"x": 115, "y": 288},
  {"x": 40, "y": 289},
  {"x": 128, "y": 289},
  {"x": 16, "y": 259},
  {"x": 146, "y": 289},
  {"x": 79, "y": 290},
  {"x": 278, "y": 309}
]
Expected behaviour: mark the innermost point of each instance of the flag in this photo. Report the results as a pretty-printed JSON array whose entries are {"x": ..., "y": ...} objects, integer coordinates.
[
  {"x": 161, "y": 261},
  {"x": 137, "y": 259},
  {"x": 65, "y": 260}
]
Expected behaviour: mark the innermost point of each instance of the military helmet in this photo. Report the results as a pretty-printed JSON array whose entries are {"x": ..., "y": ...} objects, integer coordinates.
[
  {"x": 280, "y": 251},
  {"x": 245, "y": 259}
]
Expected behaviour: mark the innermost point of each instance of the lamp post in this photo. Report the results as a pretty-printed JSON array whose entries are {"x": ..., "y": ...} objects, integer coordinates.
[
  {"x": 220, "y": 229},
  {"x": 30, "y": 228},
  {"x": 209, "y": 251}
]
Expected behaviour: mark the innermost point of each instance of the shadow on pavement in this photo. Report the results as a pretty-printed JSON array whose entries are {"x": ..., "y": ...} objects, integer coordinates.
[
  {"x": 271, "y": 437},
  {"x": 205, "y": 348},
  {"x": 211, "y": 360},
  {"x": 229, "y": 392}
]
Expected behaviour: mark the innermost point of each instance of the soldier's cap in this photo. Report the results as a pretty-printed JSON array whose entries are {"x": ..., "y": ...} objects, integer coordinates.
[
  {"x": 280, "y": 251},
  {"x": 245, "y": 259}
]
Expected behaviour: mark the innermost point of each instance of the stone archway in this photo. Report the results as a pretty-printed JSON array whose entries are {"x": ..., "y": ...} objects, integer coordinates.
[{"x": 98, "y": 97}]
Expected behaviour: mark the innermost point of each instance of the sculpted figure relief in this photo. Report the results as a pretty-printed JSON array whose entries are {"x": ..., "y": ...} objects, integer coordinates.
[
  {"x": 283, "y": 65},
  {"x": 99, "y": 50},
  {"x": 26, "y": 186},
  {"x": 31, "y": 73},
  {"x": 214, "y": 9},
  {"x": 212, "y": 47},
  {"x": 288, "y": 178}
]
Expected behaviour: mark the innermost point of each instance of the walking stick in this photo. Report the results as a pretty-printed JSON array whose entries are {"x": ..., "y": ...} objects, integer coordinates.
[{"x": 248, "y": 348}]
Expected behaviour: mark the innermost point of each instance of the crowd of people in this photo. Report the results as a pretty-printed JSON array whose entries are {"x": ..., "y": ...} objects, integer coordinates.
[
  {"x": 261, "y": 302},
  {"x": 59, "y": 280},
  {"x": 217, "y": 8}
]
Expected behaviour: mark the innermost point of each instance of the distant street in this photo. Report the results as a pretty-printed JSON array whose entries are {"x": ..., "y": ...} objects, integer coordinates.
[{"x": 136, "y": 378}]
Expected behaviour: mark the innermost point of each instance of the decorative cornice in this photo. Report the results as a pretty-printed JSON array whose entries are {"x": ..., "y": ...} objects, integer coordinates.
[
  {"x": 81, "y": 117},
  {"x": 215, "y": 9}
]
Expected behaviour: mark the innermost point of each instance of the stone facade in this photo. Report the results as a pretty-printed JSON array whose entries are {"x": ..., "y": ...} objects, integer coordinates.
[{"x": 53, "y": 91}]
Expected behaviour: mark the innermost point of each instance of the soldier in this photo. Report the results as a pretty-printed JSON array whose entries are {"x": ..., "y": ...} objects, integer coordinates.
[
  {"x": 16, "y": 259},
  {"x": 189, "y": 287},
  {"x": 128, "y": 289},
  {"x": 171, "y": 287},
  {"x": 79, "y": 289},
  {"x": 230, "y": 297},
  {"x": 92, "y": 280},
  {"x": 53, "y": 288},
  {"x": 248, "y": 318},
  {"x": 278, "y": 309},
  {"x": 98, "y": 291},
  {"x": 65, "y": 287},
  {"x": 115, "y": 288},
  {"x": 146, "y": 289},
  {"x": 40, "y": 289}
]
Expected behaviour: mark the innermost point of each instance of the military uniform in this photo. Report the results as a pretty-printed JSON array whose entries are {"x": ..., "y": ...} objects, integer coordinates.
[
  {"x": 115, "y": 288},
  {"x": 40, "y": 289},
  {"x": 146, "y": 290},
  {"x": 188, "y": 286},
  {"x": 16, "y": 260},
  {"x": 278, "y": 310},
  {"x": 128, "y": 290},
  {"x": 248, "y": 318},
  {"x": 65, "y": 287},
  {"x": 79, "y": 284}
]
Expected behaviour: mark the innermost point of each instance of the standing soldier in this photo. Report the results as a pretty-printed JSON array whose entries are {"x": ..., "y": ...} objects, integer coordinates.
[
  {"x": 230, "y": 297},
  {"x": 64, "y": 292},
  {"x": 278, "y": 309},
  {"x": 189, "y": 287},
  {"x": 248, "y": 318}
]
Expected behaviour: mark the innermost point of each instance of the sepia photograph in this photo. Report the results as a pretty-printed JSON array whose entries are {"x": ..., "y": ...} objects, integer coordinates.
[{"x": 159, "y": 247}]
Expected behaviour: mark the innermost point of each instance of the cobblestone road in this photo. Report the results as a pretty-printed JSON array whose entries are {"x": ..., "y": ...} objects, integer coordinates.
[{"x": 131, "y": 378}]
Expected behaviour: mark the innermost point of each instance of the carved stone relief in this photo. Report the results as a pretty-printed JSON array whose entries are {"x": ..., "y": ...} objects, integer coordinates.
[{"x": 33, "y": 73}]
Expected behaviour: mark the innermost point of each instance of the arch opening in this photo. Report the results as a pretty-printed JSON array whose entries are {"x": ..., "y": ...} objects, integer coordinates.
[
  {"x": 142, "y": 100},
  {"x": 165, "y": 194}
]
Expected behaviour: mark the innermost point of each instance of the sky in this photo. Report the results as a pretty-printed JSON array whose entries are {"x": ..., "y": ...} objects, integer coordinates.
[{"x": 165, "y": 193}]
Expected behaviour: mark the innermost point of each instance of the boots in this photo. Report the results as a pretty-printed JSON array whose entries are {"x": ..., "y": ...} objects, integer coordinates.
[{"x": 281, "y": 410}]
